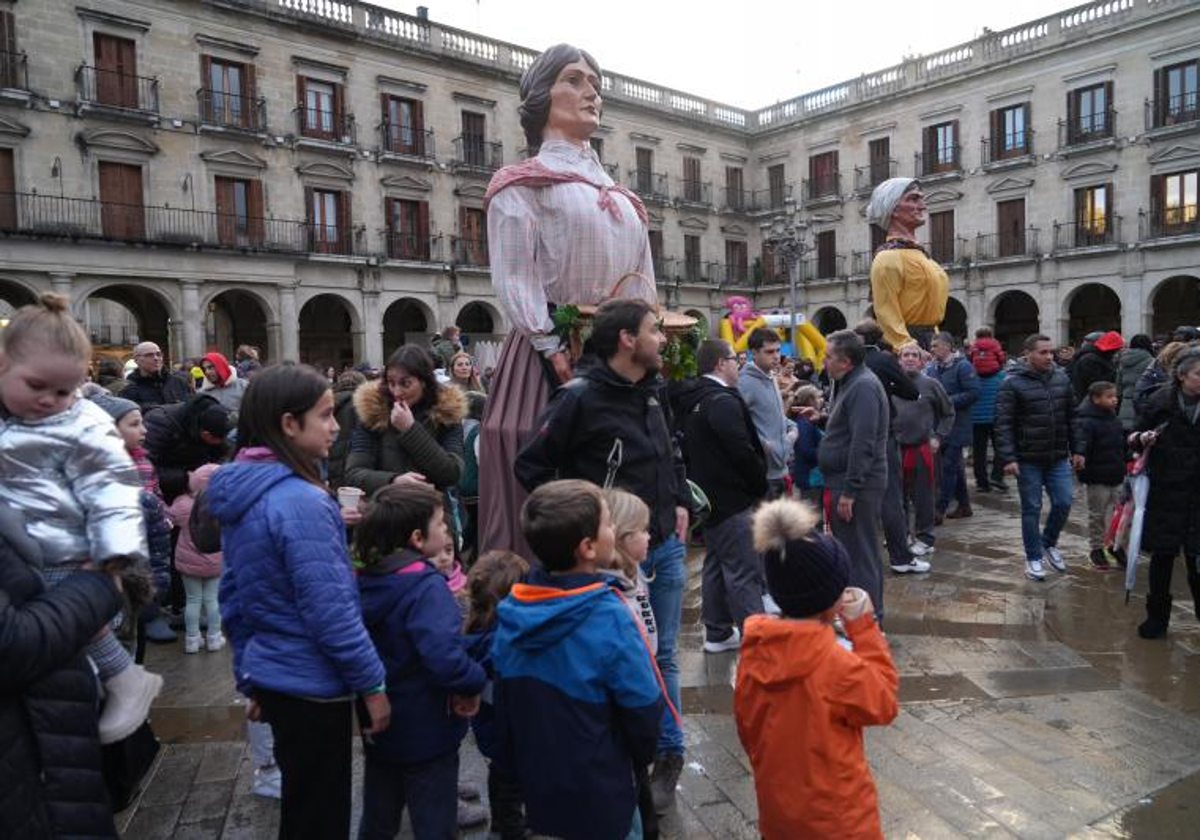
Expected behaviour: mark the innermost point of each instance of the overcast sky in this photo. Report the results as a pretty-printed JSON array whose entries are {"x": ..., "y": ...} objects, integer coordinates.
[{"x": 748, "y": 53}]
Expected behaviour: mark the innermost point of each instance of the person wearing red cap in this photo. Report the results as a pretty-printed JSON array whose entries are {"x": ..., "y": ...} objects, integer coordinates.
[
  {"x": 1096, "y": 362},
  {"x": 221, "y": 381}
]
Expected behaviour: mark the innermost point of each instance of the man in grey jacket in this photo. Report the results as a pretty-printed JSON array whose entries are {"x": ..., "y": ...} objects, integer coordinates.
[
  {"x": 920, "y": 427},
  {"x": 853, "y": 459},
  {"x": 761, "y": 393}
]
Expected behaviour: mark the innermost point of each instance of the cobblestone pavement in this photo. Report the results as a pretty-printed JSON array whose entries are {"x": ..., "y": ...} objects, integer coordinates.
[{"x": 1028, "y": 710}]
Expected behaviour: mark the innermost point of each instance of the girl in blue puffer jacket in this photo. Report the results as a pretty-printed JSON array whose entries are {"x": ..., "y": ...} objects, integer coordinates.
[{"x": 289, "y": 603}]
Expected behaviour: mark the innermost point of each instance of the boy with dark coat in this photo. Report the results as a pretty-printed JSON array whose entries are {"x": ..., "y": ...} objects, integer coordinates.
[{"x": 1100, "y": 439}]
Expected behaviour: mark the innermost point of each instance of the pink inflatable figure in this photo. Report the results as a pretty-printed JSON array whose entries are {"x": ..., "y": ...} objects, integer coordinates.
[{"x": 740, "y": 313}]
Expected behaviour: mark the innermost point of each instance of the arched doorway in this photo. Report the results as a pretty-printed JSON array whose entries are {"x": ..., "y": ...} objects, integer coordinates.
[
  {"x": 955, "y": 320},
  {"x": 235, "y": 318},
  {"x": 1093, "y": 307},
  {"x": 327, "y": 332},
  {"x": 477, "y": 320},
  {"x": 118, "y": 317},
  {"x": 829, "y": 319},
  {"x": 1175, "y": 302},
  {"x": 12, "y": 297},
  {"x": 1015, "y": 316},
  {"x": 407, "y": 321}
]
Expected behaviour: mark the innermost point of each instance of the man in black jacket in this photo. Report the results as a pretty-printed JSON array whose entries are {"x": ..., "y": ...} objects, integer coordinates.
[
  {"x": 180, "y": 438},
  {"x": 725, "y": 457},
  {"x": 1035, "y": 416},
  {"x": 150, "y": 385},
  {"x": 886, "y": 367},
  {"x": 608, "y": 426}
]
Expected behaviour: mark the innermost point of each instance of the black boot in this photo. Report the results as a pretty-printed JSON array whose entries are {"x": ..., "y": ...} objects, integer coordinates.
[
  {"x": 1158, "y": 616},
  {"x": 1194, "y": 585},
  {"x": 667, "y": 767}
]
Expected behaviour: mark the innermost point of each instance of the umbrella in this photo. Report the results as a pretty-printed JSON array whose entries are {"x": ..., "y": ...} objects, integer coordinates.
[{"x": 1141, "y": 491}]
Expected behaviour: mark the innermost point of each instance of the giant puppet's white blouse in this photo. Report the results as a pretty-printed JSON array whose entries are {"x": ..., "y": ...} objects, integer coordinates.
[{"x": 557, "y": 244}]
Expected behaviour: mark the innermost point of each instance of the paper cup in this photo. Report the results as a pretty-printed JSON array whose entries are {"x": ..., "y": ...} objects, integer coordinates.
[{"x": 349, "y": 497}]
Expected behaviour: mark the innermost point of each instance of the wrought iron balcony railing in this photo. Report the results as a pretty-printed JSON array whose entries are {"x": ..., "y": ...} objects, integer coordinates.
[
  {"x": 650, "y": 186},
  {"x": 412, "y": 247},
  {"x": 772, "y": 198},
  {"x": 114, "y": 89},
  {"x": 400, "y": 139},
  {"x": 941, "y": 161},
  {"x": 79, "y": 218},
  {"x": 694, "y": 192},
  {"x": 997, "y": 246},
  {"x": 1087, "y": 128},
  {"x": 330, "y": 126},
  {"x": 664, "y": 267},
  {"x": 474, "y": 153},
  {"x": 1069, "y": 236},
  {"x": 1007, "y": 146},
  {"x": 730, "y": 275},
  {"x": 827, "y": 186},
  {"x": 1169, "y": 221},
  {"x": 737, "y": 200},
  {"x": 867, "y": 178},
  {"x": 815, "y": 268},
  {"x": 1180, "y": 109},
  {"x": 470, "y": 251},
  {"x": 14, "y": 70},
  {"x": 231, "y": 110}
]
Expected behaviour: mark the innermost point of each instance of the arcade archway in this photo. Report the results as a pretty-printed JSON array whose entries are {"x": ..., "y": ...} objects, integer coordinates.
[
  {"x": 119, "y": 316},
  {"x": 829, "y": 319},
  {"x": 1175, "y": 302},
  {"x": 327, "y": 332},
  {"x": 235, "y": 318},
  {"x": 407, "y": 321},
  {"x": 955, "y": 320},
  {"x": 1093, "y": 307},
  {"x": 1015, "y": 317}
]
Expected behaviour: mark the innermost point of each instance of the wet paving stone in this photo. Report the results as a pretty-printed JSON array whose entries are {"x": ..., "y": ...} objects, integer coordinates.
[{"x": 1029, "y": 710}]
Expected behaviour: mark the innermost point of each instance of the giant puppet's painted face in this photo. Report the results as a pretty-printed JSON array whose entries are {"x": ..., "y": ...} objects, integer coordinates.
[
  {"x": 741, "y": 313},
  {"x": 575, "y": 102}
]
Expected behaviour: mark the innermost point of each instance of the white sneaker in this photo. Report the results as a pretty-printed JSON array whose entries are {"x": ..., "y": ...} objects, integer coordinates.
[
  {"x": 215, "y": 641},
  {"x": 1034, "y": 570},
  {"x": 920, "y": 549},
  {"x": 914, "y": 566},
  {"x": 769, "y": 605},
  {"x": 191, "y": 643},
  {"x": 127, "y": 705},
  {"x": 268, "y": 782},
  {"x": 1056, "y": 559},
  {"x": 733, "y": 642}
]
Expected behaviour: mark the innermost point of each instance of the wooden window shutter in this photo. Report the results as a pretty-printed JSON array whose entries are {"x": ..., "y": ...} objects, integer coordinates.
[
  {"x": 8, "y": 189},
  {"x": 954, "y": 151},
  {"x": 208, "y": 106},
  {"x": 226, "y": 222},
  {"x": 422, "y": 231},
  {"x": 1156, "y": 195},
  {"x": 1027, "y": 128},
  {"x": 418, "y": 122},
  {"x": 394, "y": 246},
  {"x": 996, "y": 142},
  {"x": 308, "y": 206},
  {"x": 302, "y": 104},
  {"x": 928, "y": 149},
  {"x": 9, "y": 67},
  {"x": 340, "y": 128},
  {"x": 1160, "y": 97},
  {"x": 255, "y": 210},
  {"x": 249, "y": 84},
  {"x": 345, "y": 234},
  {"x": 1073, "y": 124},
  {"x": 389, "y": 131},
  {"x": 1110, "y": 113}
]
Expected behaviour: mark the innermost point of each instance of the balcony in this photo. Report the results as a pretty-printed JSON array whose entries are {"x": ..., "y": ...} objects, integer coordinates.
[
  {"x": 1098, "y": 233},
  {"x": 650, "y": 186},
  {"x": 1007, "y": 149},
  {"x": 824, "y": 189},
  {"x": 1169, "y": 223},
  {"x": 220, "y": 110},
  {"x": 14, "y": 71},
  {"x": 412, "y": 247},
  {"x": 664, "y": 267},
  {"x": 1002, "y": 246},
  {"x": 945, "y": 162},
  {"x": 949, "y": 254},
  {"x": 78, "y": 218},
  {"x": 473, "y": 154},
  {"x": 1181, "y": 111},
  {"x": 771, "y": 199},
  {"x": 470, "y": 252},
  {"x": 697, "y": 193},
  {"x": 815, "y": 268},
  {"x": 407, "y": 142},
  {"x": 867, "y": 178},
  {"x": 324, "y": 129},
  {"x": 1087, "y": 130},
  {"x": 613, "y": 171},
  {"x": 736, "y": 200},
  {"x": 694, "y": 271},
  {"x": 117, "y": 94},
  {"x": 730, "y": 275},
  {"x": 860, "y": 263}
]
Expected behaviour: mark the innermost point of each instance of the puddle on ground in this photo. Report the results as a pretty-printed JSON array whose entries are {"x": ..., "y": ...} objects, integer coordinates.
[{"x": 1171, "y": 814}]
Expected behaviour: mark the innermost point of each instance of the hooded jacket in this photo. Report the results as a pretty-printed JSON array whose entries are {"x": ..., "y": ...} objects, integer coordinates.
[
  {"x": 1035, "y": 414},
  {"x": 578, "y": 704},
  {"x": 577, "y": 433},
  {"x": 1091, "y": 365},
  {"x": 289, "y": 603},
  {"x": 801, "y": 701},
  {"x": 1100, "y": 439},
  {"x": 75, "y": 484},
  {"x": 162, "y": 388},
  {"x": 51, "y": 773},
  {"x": 190, "y": 560},
  {"x": 853, "y": 453},
  {"x": 983, "y": 410},
  {"x": 986, "y": 356},
  {"x": 415, "y": 625},
  {"x": 174, "y": 443},
  {"x": 766, "y": 407},
  {"x": 232, "y": 388},
  {"x": 961, "y": 382},
  {"x": 722, "y": 449},
  {"x": 432, "y": 446},
  {"x": 932, "y": 415},
  {"x": 1131, "y": 363},
  {"x": 1173, "y": 507}
]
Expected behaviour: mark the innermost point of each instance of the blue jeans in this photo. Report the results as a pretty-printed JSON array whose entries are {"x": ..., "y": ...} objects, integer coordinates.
[
  {"x": 954, "y": 478},
  {"x": 665, "y": 565},
  {"x": 1059, "y": 485}
]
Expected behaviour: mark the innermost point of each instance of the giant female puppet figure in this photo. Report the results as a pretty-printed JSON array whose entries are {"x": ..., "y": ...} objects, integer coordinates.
[{"x": 559, "y": 231}]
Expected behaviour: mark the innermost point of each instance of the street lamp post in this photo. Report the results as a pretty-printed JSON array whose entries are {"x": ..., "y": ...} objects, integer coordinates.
[{"x": 785, "y": 235}]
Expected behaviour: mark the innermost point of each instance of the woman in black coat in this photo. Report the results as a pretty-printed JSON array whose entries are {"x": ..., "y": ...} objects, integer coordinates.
[
  {"x": 51, "y": 784},
  {"x": 1170, "y": 425}
]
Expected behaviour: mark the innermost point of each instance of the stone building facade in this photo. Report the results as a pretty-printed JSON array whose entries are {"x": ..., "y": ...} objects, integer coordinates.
[{"x": 308, "y": 175}]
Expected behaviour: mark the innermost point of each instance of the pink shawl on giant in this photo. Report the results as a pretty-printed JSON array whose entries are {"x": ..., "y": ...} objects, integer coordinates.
[{"x": 534, "y": 173}]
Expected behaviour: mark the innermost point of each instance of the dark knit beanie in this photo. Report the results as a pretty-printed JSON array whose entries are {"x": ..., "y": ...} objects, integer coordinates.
[
  {"x": 215, "y": 420},
  {"x": 117, "y": 407},
  {"x": 807, "y": 570}
]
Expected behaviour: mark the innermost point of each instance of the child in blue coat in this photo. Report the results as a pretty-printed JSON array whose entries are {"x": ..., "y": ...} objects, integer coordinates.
[{"x": 432, "y": 682}]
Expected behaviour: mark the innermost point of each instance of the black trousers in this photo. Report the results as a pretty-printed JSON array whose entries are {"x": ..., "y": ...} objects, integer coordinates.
[
  {"x": 979, "y": 450},
  {"x": 312, "y": 749}
]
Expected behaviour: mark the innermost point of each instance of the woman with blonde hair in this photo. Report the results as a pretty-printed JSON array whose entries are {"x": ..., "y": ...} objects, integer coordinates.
[{"x": 463, "y": 374}]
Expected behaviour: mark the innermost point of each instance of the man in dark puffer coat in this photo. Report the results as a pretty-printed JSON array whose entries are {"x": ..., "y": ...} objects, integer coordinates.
[
  {"x": 1035, "y": 412},
  {"x": 51, "y": 785}
]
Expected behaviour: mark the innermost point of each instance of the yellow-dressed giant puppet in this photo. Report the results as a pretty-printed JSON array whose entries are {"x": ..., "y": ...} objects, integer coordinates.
[{"x": 743, "y": 320}]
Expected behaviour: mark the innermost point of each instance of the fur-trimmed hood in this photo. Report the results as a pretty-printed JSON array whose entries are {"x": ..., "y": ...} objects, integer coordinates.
[{"x": 373, "y": 406}]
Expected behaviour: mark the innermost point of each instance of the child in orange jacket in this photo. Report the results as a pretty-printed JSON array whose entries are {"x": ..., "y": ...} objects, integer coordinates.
[{"x": 802, "y": 699}]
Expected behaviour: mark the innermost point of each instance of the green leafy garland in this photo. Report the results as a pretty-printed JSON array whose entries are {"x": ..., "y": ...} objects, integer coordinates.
[{"x": 679, "y": 356}]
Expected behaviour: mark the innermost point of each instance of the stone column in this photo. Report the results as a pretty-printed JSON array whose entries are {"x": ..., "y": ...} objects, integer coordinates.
[
  {"x": 289, "y": 321},
  {"x": 372, "y": 330},
  {"x": 1050, "y": 320},
  {"x": 61, "y": 283},
  {"x": 1133, "y": 308},
  {"x": 192, "y": 340}
]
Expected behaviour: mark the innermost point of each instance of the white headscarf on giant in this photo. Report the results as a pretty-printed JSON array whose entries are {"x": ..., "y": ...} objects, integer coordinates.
[{"x": 885, "y": 198}]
